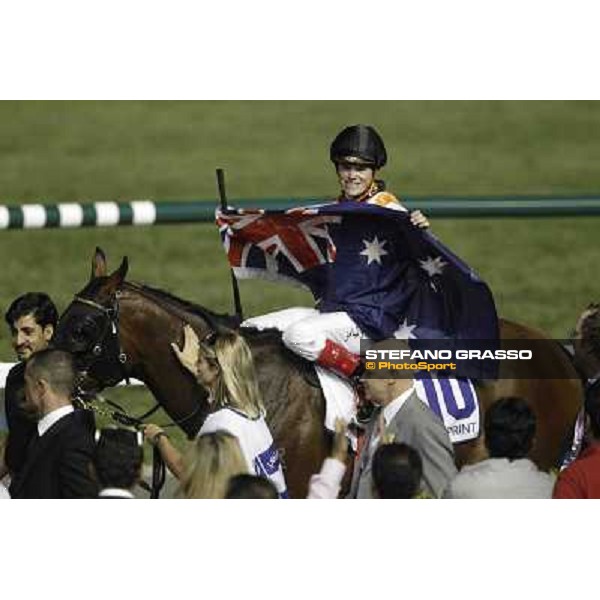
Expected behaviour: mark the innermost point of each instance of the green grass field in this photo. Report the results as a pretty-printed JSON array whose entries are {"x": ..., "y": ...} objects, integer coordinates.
[{"x": 542, "y": 272}]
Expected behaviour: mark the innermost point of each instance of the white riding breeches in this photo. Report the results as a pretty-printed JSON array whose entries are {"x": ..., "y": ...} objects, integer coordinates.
[{"x": 305, "y": 330}]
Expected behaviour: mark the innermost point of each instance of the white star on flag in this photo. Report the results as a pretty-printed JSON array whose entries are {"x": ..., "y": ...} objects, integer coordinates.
[
  {"x": 374, "y": 250},
  {"x": 433, "y": 266},
  {"x": 405, "y": 331}
]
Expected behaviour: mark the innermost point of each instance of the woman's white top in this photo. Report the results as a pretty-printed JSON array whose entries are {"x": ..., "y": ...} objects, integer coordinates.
[{"x": 255, "y": 441}]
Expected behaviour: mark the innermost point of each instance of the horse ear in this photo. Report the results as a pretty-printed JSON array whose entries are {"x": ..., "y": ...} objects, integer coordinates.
[
  {"x": 116, "y": 279},
  {"x": 98, "y": 264},
  {"x": 123, "y": 268}
]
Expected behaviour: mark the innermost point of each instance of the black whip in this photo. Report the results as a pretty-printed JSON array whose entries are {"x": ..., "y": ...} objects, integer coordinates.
[{"x": 234, "y": 283}]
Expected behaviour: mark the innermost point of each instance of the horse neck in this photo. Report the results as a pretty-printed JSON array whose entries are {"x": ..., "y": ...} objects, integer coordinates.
[{"x": 147, "y": 328}]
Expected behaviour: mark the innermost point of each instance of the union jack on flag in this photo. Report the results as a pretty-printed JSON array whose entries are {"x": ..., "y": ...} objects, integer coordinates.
[{"x": 284, "y": 246}]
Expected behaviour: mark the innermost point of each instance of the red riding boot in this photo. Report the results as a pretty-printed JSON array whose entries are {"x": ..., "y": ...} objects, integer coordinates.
[
  {"x": 343, "y": 362},
  {"x": 335, "y": 357}
]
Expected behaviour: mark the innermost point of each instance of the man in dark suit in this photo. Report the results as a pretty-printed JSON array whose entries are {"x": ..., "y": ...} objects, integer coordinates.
[
  {"x": 58, "y": 461},
  {"x": 32, "y": 320},
  {"x": 402, "y": 417}
]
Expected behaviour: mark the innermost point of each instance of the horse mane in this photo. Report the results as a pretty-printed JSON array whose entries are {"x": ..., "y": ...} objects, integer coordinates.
[
  {"x": 185, "y": 308},
  {"x": 170, "y": 301},
  {"x": 257, "y": 338}
]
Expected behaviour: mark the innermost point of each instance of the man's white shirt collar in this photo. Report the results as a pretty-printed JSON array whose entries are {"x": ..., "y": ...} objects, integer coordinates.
[
  {"x": 391, "y": 410},
  {"x": 52, "y": 417}
]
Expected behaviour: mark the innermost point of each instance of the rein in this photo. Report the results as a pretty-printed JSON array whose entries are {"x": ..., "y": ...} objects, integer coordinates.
[{"x": 122, "y": 417}]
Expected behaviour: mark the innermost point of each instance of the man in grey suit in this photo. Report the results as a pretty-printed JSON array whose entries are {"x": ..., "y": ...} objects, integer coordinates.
[{"x": 403, "y": 418}]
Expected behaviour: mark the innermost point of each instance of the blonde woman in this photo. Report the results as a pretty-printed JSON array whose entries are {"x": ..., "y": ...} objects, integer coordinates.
[
  {"x": 226, "y": 369},
  {"x": 209, "y": 464}
]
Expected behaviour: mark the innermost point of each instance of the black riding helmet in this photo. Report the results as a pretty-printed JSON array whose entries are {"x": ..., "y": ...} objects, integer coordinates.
[{"x": 359, "y": 141}]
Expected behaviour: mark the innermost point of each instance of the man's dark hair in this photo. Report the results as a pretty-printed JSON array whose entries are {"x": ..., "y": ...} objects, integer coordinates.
[
  {"x": 54, "y": 366},
  {"x": 509, "y": 428},
  {"x": 37, "y": 304},
  {"x": 397, "y": 470},
  {"x": 118, "y": 457},
  {"x": 592, "y": 408},
  {"x": 590, "y": 331},
  {"x": 250, "y": 487}
]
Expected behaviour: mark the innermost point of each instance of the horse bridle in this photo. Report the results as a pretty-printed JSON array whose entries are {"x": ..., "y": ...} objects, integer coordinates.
[{"x": 109, "y": 333}]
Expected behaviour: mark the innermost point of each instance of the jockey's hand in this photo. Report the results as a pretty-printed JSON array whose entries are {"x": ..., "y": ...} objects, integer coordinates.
[
  {"x": 418, "y": 219},
  {"x": 340, "y": 441},
  {"x": 188, "y": 355}
]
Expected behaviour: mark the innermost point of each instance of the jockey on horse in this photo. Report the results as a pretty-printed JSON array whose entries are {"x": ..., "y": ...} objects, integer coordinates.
[{"x": 327, "y": 335}]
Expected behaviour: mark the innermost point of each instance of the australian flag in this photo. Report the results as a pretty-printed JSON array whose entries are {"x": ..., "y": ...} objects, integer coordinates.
[{"x": 393, "y": 279}]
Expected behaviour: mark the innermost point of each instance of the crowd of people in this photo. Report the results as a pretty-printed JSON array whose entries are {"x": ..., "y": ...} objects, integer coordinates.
[{"x": 53, "y": 449}]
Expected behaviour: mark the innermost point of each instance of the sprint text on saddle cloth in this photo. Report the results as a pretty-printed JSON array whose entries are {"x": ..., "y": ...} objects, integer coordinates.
[{"x": 430, "y": 360}]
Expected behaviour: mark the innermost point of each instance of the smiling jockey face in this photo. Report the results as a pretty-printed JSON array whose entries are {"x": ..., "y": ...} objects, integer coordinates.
[{"x": 356, "y": 178}]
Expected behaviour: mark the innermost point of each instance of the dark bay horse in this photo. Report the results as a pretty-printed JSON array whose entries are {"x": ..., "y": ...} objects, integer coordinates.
[{"x": 118, "y": 329}]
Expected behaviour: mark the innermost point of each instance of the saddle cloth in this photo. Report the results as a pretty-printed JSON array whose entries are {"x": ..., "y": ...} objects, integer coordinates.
[{"x": 453, "y": 400}]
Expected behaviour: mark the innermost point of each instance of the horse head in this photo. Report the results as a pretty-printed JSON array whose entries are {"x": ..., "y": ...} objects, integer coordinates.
[
  {"x": 89, "y": 328},
  {"x": 117, "y": 329}
]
